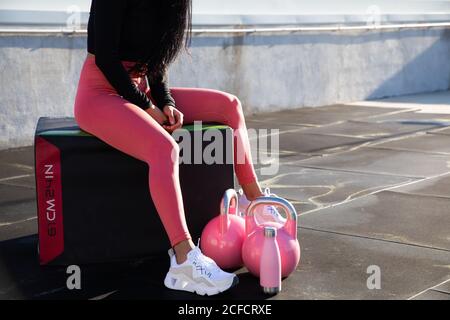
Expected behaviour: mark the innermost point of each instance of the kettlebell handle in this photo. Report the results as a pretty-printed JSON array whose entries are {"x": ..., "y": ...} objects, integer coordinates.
[
  {"x": 225, "y": 205},
  {"x": 291, "y": 213}
]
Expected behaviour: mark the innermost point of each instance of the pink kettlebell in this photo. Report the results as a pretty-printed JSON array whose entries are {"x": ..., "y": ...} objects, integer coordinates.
[
  {"x": 286, "y": 237},
  {"x": 223, "y": 236}
]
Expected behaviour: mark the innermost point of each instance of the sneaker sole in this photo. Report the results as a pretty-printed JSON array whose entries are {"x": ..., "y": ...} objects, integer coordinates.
[{"x": 183, "y": 283}]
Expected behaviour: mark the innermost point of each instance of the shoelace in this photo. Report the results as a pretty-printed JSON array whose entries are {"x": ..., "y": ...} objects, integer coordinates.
[
  {"x": 272, "y": 209},
  {"x": 205, "y": 262}
]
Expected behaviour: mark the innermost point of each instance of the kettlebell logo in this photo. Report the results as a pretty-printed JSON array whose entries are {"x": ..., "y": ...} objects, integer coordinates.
[
  {"x": 74, "y": 280},
  {"x": 374, "y": 280}
]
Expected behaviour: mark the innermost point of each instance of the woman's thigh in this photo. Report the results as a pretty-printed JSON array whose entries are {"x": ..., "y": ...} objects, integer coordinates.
[
  {"x": 199, "y": 104},
  {"x": 121, "y": 124}
]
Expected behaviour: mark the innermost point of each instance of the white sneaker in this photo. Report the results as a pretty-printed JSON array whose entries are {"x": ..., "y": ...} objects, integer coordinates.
[
  {"x": 270, "y": 213},
  {"x": 263, "y": 213},
  {"x": 198, "y": 274}
]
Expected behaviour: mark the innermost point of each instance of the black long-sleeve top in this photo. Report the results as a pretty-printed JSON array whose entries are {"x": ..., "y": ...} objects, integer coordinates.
[{"x": 118, "y": 30}]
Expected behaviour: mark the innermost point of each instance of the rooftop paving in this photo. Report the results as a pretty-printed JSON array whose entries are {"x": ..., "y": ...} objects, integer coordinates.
[{"x": 370, "y": 182}]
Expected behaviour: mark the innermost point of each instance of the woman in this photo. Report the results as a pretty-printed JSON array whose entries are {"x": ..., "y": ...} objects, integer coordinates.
[{"x": 123, "y": 98}]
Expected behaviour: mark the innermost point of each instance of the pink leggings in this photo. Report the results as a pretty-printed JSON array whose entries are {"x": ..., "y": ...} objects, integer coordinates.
[{"x": 100, "y": 111}]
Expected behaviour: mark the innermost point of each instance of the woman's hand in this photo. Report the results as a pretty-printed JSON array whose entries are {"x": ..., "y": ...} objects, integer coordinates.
[
  {"x": 157, "y": 114},
  {"x": 175, "y": 118}
]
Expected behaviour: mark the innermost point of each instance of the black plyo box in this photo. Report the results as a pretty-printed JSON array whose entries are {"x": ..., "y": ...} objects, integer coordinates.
[{"x": 94, "y": 203}]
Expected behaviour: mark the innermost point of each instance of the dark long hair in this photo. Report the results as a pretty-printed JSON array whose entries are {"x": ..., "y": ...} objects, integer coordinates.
[{"x": 174, "y": 19}]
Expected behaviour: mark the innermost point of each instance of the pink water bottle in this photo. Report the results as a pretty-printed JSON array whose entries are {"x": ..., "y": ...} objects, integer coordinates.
[{"x": 270, "y": 269}]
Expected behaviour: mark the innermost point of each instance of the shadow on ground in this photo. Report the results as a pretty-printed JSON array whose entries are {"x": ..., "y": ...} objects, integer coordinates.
[{"x": 23, "y": 278}]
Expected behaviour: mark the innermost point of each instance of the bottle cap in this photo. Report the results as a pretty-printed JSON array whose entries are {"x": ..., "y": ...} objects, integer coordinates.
[{"x": 270, "y": 232}]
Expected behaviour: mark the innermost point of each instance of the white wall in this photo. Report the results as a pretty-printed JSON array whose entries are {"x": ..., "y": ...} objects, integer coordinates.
[
  {"x": 317, "y": 6},
  {"x": 257, "y": 6},
  {"x": 267, "y": 71},
  {"x": 232, "y": 12}
]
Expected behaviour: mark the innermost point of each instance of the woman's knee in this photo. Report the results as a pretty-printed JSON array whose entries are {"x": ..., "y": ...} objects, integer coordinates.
[
  {"x": 234, "y": 110},
  {"x": 165, "y": 151},
  {"x": 227, "y": 101}
]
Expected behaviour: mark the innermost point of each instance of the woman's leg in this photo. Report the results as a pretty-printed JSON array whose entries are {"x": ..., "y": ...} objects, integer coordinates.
[
  {"x": 131, "y": 130},
  {"x": 128, "y": 128},
  {"x": 198, "y": 104}
]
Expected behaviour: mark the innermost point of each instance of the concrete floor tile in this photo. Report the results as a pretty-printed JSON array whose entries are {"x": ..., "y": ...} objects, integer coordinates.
[
  {"x": 335, "y": 267},
  {"x": 433, "y": 295},
  {"x": 270, "y": 168},
  {"x": 275, "y": 159},
  {"x": 322, "y": 115},
  {"x": 15, "y": 230},
  {"x": 15, "y": 194},
  {"x": 322, "y": 188},
  {"x": 17, "y": 212},
  {"x": 382, "y": 161},
  {"x": 367, "y": 130},
  {"x": 317, "y": 144},
  {"x": 435, "y": 187},
  {"x": 13, "y": 170},
  {"x": 409, "y": 219},
  {"x": 22, "y": 155},
  {"x": 445, "y": 287},
  {"x": 302, "y": 206},
  {"x": 444, "y": 131},
  {"x": 27, "y": 181},
  {"x": 253, "y": 124},
  {"x": 417, "y": 118},
  {"x": 431, "y": 143}
]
